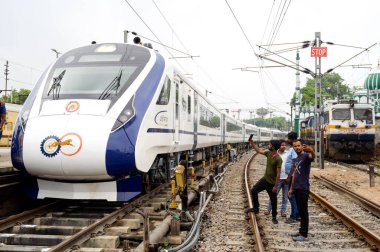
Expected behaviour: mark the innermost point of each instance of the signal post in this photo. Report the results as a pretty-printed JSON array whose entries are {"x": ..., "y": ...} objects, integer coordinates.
[{"x": 317, "y": 51}]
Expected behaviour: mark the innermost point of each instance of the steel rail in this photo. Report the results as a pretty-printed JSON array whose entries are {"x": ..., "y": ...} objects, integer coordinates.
[
  {"x": 366, "y": 203},
  {"x": 369, "y": 236},
  {"x": 27, "y": 215},
  {"x": 359, "y": 168},
  {"x": 255, "y": 227},
  {"x": 85, "y": 234},
  {"x": 9, "y": 178}
]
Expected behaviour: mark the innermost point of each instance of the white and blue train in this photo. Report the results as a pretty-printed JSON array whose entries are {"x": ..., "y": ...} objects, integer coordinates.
[{"x": 105, "y": 120}]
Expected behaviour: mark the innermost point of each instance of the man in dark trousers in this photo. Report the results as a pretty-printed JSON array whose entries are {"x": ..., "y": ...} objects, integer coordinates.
[
  {"x": 270, "y": 180},
  {"x": 300, "y": 186}
]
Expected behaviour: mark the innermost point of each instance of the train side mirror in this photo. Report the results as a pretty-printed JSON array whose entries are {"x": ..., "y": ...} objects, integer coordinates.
[{"x": 303, "y": 125}]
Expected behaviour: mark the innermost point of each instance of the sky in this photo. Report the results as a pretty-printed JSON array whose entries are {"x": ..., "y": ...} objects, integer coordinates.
[{"x": 221, "y": 35}]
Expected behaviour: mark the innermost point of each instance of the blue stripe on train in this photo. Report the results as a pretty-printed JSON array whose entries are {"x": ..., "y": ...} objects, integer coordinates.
[
  {"x": 120, "y": 154},
  {"x": 18, "y": 133},
  {"x": 351, "y": 137}
]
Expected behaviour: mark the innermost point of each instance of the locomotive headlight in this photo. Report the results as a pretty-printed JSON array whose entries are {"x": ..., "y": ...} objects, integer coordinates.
[{"x": 127, "y": 114}]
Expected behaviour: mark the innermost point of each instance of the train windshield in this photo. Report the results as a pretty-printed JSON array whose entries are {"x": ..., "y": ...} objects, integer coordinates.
[
  {"x": 91, "y": 81},
  {"x": 341, "y": 114},
  {"x": 95, "y": 72},
  {"x": 363, "y": 114}
]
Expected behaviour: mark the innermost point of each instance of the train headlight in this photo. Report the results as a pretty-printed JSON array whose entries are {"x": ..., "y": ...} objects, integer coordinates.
[
  {"x": 127, "y": 114},
  {"x": 337, "y": 126}
]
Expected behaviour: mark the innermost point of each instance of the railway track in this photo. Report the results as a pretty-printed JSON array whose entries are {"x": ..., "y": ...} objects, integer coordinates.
[
  {"x": 139, "y": 225},
  {"x": 330, "y": 229},
  {"x": 81, "y": 225},
  {"x": 361, "y": 167}
]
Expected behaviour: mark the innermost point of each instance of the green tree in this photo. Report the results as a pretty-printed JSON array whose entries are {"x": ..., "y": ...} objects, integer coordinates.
[
  {"x": 18, "y": 97},
  {"x": 331, "y": 83},
  {"x": 274, "y": 122}
]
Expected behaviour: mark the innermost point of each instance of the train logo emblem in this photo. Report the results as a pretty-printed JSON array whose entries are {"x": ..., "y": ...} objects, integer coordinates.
[
  {"x": 72, "y": 106},
  {"x": 69, "y": 145}
]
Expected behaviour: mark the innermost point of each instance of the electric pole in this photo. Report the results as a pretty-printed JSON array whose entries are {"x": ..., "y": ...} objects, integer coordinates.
[
  {"x": 318, "y": 106},
  {"x": 298, "y": 97},
  {"x": 6, "y": 72}
]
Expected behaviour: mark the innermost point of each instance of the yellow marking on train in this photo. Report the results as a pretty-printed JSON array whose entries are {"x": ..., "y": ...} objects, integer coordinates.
[
  {"x": 333, "y": 126},
  {"x": 61, "y": 143}
]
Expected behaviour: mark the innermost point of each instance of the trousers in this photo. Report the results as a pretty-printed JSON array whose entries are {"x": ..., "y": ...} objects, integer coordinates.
[{"x": 260, "y": 186}]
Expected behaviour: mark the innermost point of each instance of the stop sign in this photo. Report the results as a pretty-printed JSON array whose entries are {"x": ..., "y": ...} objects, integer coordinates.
[{"x": 318, "y": 51}]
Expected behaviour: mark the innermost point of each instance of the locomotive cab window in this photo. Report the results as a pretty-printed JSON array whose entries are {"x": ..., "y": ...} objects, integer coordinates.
[
  {"x": 363, "y": 115},
  {"x": 341, "y": 114},
  {"x": 164, "y": 97}
]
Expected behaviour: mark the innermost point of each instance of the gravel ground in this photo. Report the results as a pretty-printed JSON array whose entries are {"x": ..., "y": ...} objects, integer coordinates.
[{"x": 225, "y": 227}]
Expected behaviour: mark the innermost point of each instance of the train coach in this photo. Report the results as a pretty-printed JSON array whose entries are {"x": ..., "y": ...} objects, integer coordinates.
[
  {"x": 348, "y": 130},
  {"x": 106, "y": 120}
]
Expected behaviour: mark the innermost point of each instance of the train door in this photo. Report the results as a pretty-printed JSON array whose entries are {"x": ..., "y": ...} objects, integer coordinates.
[
  {"x": 223, "y": 128},
  {"x": 195, "y": 120},
  {"x": 177, "y": 114}
]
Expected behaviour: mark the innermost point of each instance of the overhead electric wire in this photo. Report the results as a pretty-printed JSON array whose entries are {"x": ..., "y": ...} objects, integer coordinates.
[
  {"x": 241, "y": 28},
  {"x": 275, "y": 84},
  {"x": 142, "y": 20},
  {"x": 366, "y": 49},
  {"x": 266, "y": 26},
  {"x": 254, "y": 52},
  {"x": 277, "y": 24},
  {"x": 286, "y": 50},
  {"x": 269, "y": 41},
  {"x": 21, "y": 82},
  {"x": 290, "y": 43},
  {"x": 167, "y": 22},
  {"x": 331, "y": 43},
  {"x": 22, "y": 65},
  {"x": 192, "y": 57},
  {"x": 283, "y": 17},
  {"x": 308, "y": 70},
  {"x": 164, "y": 45}
]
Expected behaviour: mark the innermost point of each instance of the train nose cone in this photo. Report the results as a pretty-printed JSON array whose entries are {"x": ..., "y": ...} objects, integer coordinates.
[{"x": 73, "y": 148}]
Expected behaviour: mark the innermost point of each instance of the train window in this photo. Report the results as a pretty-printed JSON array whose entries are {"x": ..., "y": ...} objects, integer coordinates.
[
  {"x": 363, "y": 114},
  {"x": 164, "y": 96},
  {"x": 94, "y": 80},
  {"x": 208, "y": 118},
  {"x": 234, "y": 128},
  {"x": 341, "y": 114},
  {"x": 265, "y": 134},
  {"x": 189, "y": 104},
  {"x": 100, "y": 57},
  {"x": 250, "y": 131},
  {"x": 326, "y": 117}
]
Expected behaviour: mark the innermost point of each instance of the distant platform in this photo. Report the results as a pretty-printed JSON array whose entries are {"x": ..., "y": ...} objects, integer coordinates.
[{"x": 5, "y": 160}]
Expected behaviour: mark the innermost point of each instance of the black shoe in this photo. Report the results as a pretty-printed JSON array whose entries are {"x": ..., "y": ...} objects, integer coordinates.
[
  {"x": 251, "y": 210},
  {"x": 274, "y": 220}
]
